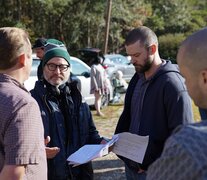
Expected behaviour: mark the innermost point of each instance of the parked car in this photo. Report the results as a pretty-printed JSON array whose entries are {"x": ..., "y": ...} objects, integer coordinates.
[
  {"x": 29, "y": 83},
  {"x": 112, "y": 62},
  {"x": 115, "y": 62},
  {"x": 80, "y": 72}
]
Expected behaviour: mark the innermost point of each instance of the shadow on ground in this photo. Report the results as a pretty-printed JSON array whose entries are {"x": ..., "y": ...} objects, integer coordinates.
[
  {"x": 107, "y": 164},
  {"x": 109, "y": 168}
]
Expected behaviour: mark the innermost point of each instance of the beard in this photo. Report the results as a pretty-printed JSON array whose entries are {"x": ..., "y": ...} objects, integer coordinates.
[{"x": 145, "y": 67}]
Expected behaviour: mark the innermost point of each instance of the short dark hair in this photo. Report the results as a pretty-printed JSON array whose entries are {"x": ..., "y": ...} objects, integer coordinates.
[
  {"x": 39, "y": 43},
  {"x": 143, "y": 34}
]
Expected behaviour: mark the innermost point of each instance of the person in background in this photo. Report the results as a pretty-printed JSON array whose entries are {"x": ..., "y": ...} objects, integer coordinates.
[
  {"x": 98, "y": 82},
  {"x": 185, "y": 152},
  {"x": 22, "y": 149},
  {"x": 39, "y": 49},
  {"x": 66, "y": 117},
  {"x": 156, "y": 100},
  {"x": 119, "y": 82},
  {"x": 120, "y": 86}
]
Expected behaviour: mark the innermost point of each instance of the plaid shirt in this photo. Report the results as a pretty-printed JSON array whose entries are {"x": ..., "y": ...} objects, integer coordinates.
[{"x": 21, "y": 130}]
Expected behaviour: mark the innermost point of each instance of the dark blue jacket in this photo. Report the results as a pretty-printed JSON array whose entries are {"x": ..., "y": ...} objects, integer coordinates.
[
  {"x": 166, "y": 105},
  {"x": 68, "y": 121}
]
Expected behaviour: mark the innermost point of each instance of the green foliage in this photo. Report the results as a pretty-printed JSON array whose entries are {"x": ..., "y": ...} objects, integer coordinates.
[
  {"x": 81, "y": 23},
  {"x": 126, "y": 15},
  {"x": 169, "y": 44},
  {"x": 199, "y": 20},
  {"x": 156, "y": 22},
  {"x": 170, "y": 16}
]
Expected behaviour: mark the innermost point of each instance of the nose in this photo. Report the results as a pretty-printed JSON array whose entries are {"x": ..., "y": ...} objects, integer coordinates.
[
  {"x": 57, "y": 70},
  {"x": 132, "y": 59}
]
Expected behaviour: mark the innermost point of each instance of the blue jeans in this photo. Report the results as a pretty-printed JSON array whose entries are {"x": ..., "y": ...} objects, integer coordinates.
[{"x": 132, "y": 175}]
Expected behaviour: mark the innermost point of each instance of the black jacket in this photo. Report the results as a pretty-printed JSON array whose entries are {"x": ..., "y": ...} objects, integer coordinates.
[{"x": 68, "y": 121}]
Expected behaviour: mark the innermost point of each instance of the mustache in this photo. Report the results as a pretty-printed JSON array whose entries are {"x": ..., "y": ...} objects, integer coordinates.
[{"x": 57, "y": 76}]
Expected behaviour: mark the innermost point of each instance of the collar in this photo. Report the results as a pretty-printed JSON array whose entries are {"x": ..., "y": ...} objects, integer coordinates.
[{"x": 7, "y": 78}]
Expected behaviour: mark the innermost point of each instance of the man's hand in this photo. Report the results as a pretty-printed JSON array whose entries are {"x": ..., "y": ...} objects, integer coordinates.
[
  {"x": 111, "y": 148},
  {"x": 50, "y": 151},
  {"x": 106, "y": 140},
  {"x": 12, "y": 172}
]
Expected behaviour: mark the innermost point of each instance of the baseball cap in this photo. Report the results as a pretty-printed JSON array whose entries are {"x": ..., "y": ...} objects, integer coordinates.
[{"x": 40, "y": 42}]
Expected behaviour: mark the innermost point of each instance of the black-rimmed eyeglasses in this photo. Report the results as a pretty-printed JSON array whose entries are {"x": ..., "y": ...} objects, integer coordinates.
[{"x": 62, "y": 67}]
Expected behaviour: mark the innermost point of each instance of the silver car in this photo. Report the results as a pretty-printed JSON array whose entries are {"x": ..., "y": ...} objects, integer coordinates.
[
  {"x": 80, "y": 72},
  {"x": 115, "y": 62}
]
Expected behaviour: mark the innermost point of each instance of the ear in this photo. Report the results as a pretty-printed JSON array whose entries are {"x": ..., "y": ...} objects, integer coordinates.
[
  {"x": 22, "y": 60},
  {"x": 152, "y": 49}
]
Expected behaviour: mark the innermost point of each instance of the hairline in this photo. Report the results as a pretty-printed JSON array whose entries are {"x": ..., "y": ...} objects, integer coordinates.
[{"x": 142, "y": 34}]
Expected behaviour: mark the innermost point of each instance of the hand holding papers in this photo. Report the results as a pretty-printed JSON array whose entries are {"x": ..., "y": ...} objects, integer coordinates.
[
  {"x": 126, "y": 144},
  {"x": 90, "y": 152}
]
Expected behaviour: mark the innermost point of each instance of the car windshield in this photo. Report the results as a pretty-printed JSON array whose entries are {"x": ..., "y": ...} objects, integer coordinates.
[
  {"x": 118, "y": 59},
  {"x": 77, "y": 68}
]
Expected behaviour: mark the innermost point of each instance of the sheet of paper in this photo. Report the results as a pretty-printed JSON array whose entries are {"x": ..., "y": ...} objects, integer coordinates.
[
  {"x": 90, "y": 152},
  {"x": 126, "y": 144},
  {"x": 87, "y": 153},
  {"x": 131, "y": 146}
]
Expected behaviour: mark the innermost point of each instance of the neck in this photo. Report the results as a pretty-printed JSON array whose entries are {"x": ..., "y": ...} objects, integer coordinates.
[
  {"x": 17, "y": 74},
  {"x": 155, "y": 65}
]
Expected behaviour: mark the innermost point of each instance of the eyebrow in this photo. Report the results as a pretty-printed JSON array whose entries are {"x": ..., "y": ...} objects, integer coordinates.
[
  {"x": 58, "y": 64},
  {"x": 135, "y": 54}
]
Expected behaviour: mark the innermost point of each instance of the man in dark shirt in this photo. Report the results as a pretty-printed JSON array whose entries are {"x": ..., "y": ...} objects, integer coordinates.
[
  {"x": 185, "y": 153},
  {"x": 156, "y": 100},
  {"x": 39, "y": 48}
]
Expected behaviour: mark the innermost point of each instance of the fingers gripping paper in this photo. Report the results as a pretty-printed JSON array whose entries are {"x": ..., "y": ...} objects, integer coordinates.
[
  {"x": 90, "y": 152},
  {"x": 124, "y": 144}
]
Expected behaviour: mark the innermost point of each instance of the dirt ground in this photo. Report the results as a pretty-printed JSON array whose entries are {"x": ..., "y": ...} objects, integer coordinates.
[{"x": 108, "y": 167}]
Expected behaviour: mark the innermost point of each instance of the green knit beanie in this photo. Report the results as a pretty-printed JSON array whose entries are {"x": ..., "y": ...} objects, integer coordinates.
[
  {"x": 54, "y": 41},
  {"x": 56, "y": 52}
]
